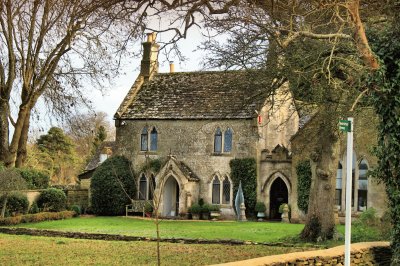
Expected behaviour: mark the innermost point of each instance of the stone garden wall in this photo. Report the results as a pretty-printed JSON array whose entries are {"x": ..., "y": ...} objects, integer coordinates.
[{"x": 368, "y": 253}]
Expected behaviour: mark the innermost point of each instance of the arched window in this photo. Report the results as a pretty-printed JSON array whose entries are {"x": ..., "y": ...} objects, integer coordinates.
[
  {"x": 228, "y": 140},
  {"x": 144, "y": 140},
  {"x": 226, "y": 191},
  {"x": 362, "y": 185},
  {"x": 339, "y": 178},
  {"x": 216, "y": 191},
  {"x": 218, "y": 141},
  {"x": 142, "y": 187},
  {"x": 152, "y": 187},
  {"x": 153, "y": 139}
]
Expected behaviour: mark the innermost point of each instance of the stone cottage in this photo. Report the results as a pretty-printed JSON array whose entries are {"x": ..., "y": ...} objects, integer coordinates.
[{"x": 198, "y": 122}]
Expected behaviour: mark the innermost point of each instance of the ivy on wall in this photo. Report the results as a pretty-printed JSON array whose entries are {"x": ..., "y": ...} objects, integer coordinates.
[
  {"x": 303, "y": 171},
  {"x": 245, "y": 170}
]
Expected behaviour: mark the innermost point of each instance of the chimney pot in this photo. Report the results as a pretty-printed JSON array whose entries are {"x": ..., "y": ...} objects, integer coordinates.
[
  {"x": 149, "y": 37},
  {"x": 171, "y": 67}
]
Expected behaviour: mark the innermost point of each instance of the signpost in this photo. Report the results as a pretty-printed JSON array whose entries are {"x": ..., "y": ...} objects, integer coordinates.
[{"x": 347, "y": 126}]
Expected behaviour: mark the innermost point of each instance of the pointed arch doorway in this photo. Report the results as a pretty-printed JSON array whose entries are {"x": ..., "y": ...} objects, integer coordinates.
[
  {"x": 171, "y": 197},
  {"x": 278, "y": 194}
]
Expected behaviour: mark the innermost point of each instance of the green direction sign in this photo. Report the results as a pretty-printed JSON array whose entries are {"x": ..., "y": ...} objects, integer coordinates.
[{"x": 345, "y": 125}]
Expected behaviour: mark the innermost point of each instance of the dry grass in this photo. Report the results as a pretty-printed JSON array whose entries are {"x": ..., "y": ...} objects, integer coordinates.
[{"x": 29, "y": 250}]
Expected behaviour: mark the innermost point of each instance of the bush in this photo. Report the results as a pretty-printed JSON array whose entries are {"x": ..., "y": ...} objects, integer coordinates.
[
  {"x": 52, "y": 199},
  {"x": 35, "y": 179},
  {"x": 214, "y": 208},
  {"x": 260, "y": 207},
  {"x": 38, "y": 217},
  {"x": 245, "y": 170},
  {"x": 76, "y": 209},
  {"x": 17, "y": 203},
  {"x": 195, "y": 208},
  {"x": 148, "y": 208},
  {"x": 34, "y": 208},
  {"x": 108, "y": 195}
]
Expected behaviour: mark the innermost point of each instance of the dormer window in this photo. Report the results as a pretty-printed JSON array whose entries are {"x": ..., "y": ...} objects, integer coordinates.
[{"x": 149, "y": 140}]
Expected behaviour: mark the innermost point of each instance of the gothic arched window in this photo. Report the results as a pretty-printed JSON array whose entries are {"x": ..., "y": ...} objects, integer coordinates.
[
  {"x": 362, "y": 185},
  {"x": 153, "y": 139},
  {"x": 338, "y": 194},
  {"x": 144, "y": 140},
  {"x": 143, "y": 187},
  {"x": 216, "y": 191},
  {"x": 226, "y": 191},
  {"x": 228, "y": 140},
  {"x": 218, "y": 141}
]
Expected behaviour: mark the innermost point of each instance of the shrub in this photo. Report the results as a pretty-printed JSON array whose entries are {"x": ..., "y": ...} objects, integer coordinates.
[
  {"x": 148, "y": 208},
  {"x": 52, "y": 199},
  {"x": 17, "y": 203},
  {"x": 195, "y": 208},
  {"x": 76, "y": 209},
  {"x": 38, "y": 217},
  {"x": 304, "y": 176},
  {"x": 245, "y": 170},
  {"x": 214, "y": 208},
  {"x": 35, "y": 179},
  {"x": 260, "y": 207},
  {"x": 34, "y": 208},
  {"x": 110, "y": 184}
]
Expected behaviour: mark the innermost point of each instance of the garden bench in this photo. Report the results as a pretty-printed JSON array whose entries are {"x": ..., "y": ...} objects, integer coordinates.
[{"x": 136, "y": 206}]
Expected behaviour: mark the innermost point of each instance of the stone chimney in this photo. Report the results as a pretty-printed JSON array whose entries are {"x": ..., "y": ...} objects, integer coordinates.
[{"x": 149, "y": 64}]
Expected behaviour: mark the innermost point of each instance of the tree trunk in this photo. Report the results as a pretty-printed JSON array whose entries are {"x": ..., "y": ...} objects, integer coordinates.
[
  {"x": 4, "y": 127},
  {"x": 320, "y": 223},
  {"x": 22, "y": 153},
  {"x": 3, "y": 209}
]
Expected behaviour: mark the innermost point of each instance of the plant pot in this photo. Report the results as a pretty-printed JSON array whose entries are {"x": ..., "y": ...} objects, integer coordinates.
[
  {"x": 205, "y": 216},
  {"x": 260, "y": 216},
  {"x": 196, "y": 216},
  {"x": 215, "y": 215}
]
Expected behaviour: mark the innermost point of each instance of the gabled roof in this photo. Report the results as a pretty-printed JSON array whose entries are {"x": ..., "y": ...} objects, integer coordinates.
[
  {"x": 196, "y": 95},
  {"x": 95, "y": 161}
]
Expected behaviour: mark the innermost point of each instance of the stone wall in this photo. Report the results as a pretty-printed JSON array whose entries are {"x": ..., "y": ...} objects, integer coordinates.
[
  {"x": 192, "y": 142},
  {"x": 370, "y": 253},
  {"x": 78, "y": 197}
]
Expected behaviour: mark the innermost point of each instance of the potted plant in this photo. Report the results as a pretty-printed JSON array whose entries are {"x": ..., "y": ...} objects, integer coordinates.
[
  {"x": 195, "y": 210},
  {"x": 260, "y": 209},
  {"x": 215, "y": 212},
  {"x": 205, "y": 211},
  {"x": 148, "y": 210}
]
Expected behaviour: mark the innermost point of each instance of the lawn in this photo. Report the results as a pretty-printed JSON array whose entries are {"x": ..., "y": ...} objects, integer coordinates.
[
  {"x": 254, "y": 231},
  {"x": 29, "y": 250}
]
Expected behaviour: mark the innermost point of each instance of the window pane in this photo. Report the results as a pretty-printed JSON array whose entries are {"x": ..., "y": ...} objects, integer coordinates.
[
  {"x": 152, "y": 187},
  {"x": 226, "y": 193},
  {"x": 216, "y": 191},
  {"x": 153, "y": 140},
  {"x": 218, "y": 141},
  {"x": 363, "y": 169},
  {"x": 143, "y": 140},
  {"x": 228, "y": 140},
  {"x": 339, "y": 179},
  {"x": 142, "y": 188},
  {"x": 362, "y": 200},
  {"x": 338, "y": 198}
]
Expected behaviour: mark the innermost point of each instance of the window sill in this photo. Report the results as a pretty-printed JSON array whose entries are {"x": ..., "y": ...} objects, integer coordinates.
[
  {"x": 221, "y": 154},
  {"x": 148, "y": 152}
]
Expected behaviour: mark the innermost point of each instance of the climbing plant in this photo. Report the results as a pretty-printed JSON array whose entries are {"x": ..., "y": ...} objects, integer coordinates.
[
  {"x": 385, "y": 98},
  {"x": 303, "y": 171},
  {"x": 245, "y": 170}
]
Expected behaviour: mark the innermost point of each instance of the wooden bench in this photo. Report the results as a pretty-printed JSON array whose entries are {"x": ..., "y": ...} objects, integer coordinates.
[{"x": 136, "y": 206}]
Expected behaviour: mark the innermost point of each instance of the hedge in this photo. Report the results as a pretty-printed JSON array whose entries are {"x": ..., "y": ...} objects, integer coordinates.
[
  {"x": 110, "y": 184},
  {"x": 38, "y": 217}
]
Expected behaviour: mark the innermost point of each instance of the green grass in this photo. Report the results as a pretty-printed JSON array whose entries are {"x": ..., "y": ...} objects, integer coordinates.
[
  {"x": 30, "y": 250},
  {"x": 254, "y": 231}
]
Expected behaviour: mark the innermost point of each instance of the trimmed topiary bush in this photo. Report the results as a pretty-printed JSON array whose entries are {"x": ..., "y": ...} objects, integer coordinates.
[
  {"x": 17, "y": 203},
  {"x": 35, "y": 179},
  {"x": 34, "y": 208},
  {"x": 52, "y": 199},
  {"x": 76, "y": 209},
  {"x": 110, "y": 184}
]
